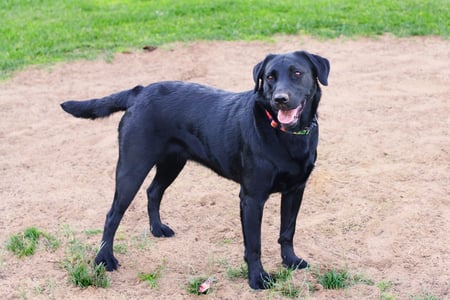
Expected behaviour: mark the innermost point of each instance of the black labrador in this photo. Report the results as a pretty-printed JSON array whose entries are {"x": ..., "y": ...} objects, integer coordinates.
[{"x": 264, "y": 139}]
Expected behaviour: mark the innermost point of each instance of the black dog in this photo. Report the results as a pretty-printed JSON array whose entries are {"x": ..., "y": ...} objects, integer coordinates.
[{"x": 264, "y": 139}]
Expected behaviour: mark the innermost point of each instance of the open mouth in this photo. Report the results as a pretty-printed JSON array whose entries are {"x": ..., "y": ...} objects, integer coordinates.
[{"x": 290, "y": 117}]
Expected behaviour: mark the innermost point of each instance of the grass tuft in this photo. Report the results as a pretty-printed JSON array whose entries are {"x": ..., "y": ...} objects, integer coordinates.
[
  {"x": 89, "y": 232},
  {"x": 152, "y": 278},
  {"x": 21, "y": 246},
  {"x": 424, "y": 296},
  {"x": 25, "y": 243},
  {"x": 194, "y": 284},
  {"x": 286, "y": 285},
  {"x": 235, "y": 273},
  {"x": 340, "y": 278},
  {"x": 82, "y": 269},
  {"x": 334, "y": 279}
]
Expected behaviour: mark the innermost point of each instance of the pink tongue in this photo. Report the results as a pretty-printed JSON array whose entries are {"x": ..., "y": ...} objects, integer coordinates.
[{"x": 287, "y": 116}]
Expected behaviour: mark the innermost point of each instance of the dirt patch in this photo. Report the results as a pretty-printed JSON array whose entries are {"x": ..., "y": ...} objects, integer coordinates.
[{"x": 378, "y": 202}]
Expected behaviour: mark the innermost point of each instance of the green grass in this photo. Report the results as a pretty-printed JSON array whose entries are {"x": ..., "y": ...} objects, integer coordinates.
[
  {"x": 194, "y": 285},
  {"x": 424, "y": 296},
  {"x": 384, "y": 286},
  {"x": 48, "y": 31},
  {"x": 78, "y": 262},
  {"x": 235, "y": 273},
  {"x": 81, "y": 267},
  {"x": 341, "y": 278},
  {"x": 120, "y": 248},
  {"x": 334, "y": 279},
  {"x": 284, "y": 285},
  {"x": 283, "y": 281},
  {"x": 89, "y": 232},
  {"x": 26, "y": 242},
  {"x": 280, "y": 282},
  {"x": 152, "y": 278},
  {"x": 142, "y": 241}
]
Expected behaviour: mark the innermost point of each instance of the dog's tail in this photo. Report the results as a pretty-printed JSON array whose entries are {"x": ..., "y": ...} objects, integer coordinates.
[{"x": 99, "y": 108}]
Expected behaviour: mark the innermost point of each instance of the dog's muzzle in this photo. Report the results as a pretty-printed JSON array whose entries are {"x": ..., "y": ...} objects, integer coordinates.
[{"x": 286, "y": 114}]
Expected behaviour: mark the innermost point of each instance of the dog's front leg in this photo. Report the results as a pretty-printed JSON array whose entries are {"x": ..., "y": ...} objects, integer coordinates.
[
  {"x": 290, "y": 206},
  {"x": 251, "y": 217}
]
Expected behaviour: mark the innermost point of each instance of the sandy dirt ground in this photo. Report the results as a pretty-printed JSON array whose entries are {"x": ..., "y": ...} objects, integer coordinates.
[{"x": 378, "y": 203}]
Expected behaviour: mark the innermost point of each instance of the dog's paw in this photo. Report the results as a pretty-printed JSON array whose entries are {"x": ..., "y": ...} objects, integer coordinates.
[
  {"x": 108, "y": 260},
  {"x": 295, "y": 263},
  {"x": 261, "y": 281},
  {"x": 161, "y": 230}
]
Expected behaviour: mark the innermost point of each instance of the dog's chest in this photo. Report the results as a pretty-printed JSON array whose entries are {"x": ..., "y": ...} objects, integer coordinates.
[
  {"x": 298, "y": 176},
  {"x": 294, "y": 169}
]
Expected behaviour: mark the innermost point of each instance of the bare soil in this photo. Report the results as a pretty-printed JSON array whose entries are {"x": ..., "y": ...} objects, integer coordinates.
[{"x": 378, "y": 202}]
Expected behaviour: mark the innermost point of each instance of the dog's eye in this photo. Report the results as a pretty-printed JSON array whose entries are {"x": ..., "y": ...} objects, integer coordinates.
[
  {"x": 298, "y": 74},
  {"x": 270, "y": 77}
]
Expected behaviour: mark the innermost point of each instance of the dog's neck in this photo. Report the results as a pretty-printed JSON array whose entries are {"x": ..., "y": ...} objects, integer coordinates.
[{"x": 303, "y": 131}]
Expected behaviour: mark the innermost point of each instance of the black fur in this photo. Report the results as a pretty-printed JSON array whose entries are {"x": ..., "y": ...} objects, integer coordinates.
[{"x": 168, "y": 123}]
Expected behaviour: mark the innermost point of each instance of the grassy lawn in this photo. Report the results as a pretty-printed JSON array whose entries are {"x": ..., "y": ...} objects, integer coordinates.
[{"x": 47, "y": 31}]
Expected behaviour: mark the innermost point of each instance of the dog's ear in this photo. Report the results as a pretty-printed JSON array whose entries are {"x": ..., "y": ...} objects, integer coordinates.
[
  {"x": 321, "y": 65},
  {"x": 258, "y": 72}
]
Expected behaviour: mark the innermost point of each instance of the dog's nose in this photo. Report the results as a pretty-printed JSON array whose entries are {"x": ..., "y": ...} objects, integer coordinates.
[{"x": 281, "y": 98}]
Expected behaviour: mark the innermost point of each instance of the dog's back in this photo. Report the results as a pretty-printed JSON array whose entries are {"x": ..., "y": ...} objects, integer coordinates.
[{"x": 206, "y": 122}]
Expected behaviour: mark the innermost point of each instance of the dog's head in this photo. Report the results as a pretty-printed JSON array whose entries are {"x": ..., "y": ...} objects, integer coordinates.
[{"x": 287, "y": 85}]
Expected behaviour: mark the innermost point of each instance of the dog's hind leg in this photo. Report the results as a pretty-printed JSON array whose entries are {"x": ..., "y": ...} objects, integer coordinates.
[
  {"x": 166, "y": 172},
  {"x": 132, "y": 168}
]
